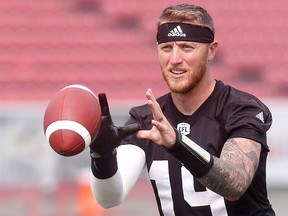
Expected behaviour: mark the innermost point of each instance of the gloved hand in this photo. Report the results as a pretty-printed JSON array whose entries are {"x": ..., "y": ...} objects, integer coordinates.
[{"x": 109, "y": 136}]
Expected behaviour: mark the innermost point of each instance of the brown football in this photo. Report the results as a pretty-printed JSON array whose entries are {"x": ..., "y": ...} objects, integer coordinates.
[{"x": 72, "y": 120}]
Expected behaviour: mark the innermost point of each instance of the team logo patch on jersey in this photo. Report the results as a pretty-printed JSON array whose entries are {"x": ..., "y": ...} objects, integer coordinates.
[
  {"x": 260, "y": 116},
  {"x": 184, "y": 128}
]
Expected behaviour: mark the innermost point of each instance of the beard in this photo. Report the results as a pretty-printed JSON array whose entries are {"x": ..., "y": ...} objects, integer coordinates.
[{"x": 185, "y": 86}]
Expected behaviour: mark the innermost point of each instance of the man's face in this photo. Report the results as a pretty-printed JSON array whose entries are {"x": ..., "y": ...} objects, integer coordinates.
[{"x": 183, "y": 64}]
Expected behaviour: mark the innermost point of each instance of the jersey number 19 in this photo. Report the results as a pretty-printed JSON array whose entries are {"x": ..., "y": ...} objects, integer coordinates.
[{"x": 159, "y": 172}]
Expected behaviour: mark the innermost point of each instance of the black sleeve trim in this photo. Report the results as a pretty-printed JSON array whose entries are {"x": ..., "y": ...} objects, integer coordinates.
[{"x": 104, "y": 167}]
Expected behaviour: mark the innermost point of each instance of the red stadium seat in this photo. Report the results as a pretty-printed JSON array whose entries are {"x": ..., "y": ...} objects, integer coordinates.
[{"x": 47, "y": 44}]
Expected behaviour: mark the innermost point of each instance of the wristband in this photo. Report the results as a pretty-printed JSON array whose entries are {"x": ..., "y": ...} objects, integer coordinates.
[
  {"x": 105, "y": 166},
  {"x": 196, "y": 159}
]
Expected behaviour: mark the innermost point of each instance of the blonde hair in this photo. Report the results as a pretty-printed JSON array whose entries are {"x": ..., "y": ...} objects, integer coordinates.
[{"x": 192, "y": 14}]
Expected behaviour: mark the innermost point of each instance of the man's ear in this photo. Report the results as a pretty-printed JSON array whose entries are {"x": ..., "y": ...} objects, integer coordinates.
[{"x": 212, "y": 50}]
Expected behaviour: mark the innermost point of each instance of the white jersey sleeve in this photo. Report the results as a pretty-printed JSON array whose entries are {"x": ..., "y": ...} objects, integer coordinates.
[{"x": 112, "y": 191}]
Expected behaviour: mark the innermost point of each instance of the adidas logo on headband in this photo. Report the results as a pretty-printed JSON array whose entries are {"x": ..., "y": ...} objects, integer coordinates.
[{"x": 177, "y": 31}]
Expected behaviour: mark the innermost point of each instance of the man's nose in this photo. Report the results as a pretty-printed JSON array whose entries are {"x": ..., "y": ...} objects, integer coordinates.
[{"x": 175, "y": 57}]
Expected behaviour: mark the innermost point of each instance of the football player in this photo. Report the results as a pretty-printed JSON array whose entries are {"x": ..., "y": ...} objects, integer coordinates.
[{"x": 204, "y": 142}]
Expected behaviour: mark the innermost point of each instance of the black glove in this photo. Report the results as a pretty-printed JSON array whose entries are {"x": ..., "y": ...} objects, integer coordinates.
[{"x": 109, "y": 136}]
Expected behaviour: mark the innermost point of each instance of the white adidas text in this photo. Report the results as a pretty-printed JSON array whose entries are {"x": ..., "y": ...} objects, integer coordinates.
[{"x": 177, "y": 31}]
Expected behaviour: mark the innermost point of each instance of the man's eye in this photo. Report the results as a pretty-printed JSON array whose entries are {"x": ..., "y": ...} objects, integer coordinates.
[
  {"x": 188, "y": 47},
  {"x": 166, "y": 48}
]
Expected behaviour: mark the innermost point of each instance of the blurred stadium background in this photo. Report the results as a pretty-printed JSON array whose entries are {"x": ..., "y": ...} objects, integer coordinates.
[{"x": 109, "y": 46}]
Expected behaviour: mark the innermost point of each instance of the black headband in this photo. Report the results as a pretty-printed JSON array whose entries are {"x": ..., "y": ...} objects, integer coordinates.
[{"x": 184, "y": 32}]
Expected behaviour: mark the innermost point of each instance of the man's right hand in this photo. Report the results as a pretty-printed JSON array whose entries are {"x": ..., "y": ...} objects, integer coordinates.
[{"x": 109, "y": 136}]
